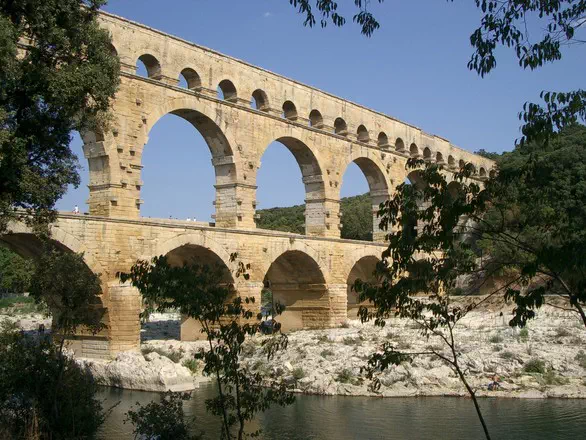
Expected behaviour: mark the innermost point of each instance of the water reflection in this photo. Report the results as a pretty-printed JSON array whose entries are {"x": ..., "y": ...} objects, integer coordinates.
[{"x": 359, "y": 418}]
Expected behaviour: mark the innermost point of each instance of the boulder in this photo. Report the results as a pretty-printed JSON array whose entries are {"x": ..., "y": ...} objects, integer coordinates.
[{"x": 132, "y": 370}]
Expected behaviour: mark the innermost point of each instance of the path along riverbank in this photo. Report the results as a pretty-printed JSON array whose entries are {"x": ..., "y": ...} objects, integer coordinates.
[{"x": 546, "y": 360}]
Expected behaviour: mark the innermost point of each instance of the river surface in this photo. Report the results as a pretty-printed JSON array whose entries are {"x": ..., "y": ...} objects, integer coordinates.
[{"x": 368, "y": 418}]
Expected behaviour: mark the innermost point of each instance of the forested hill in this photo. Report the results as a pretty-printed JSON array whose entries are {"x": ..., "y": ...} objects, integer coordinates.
[{"x": 356, "y": 219}]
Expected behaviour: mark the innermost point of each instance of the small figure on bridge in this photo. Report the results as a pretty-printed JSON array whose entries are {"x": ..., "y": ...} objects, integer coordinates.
[{"x": 76, "y": 209}]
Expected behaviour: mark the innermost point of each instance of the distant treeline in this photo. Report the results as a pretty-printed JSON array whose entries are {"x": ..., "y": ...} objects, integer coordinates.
[{"x": 356, "y": 218}]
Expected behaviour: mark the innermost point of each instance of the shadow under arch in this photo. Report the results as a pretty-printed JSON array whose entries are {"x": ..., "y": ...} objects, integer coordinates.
[
  {"x": 188, "y": 329},
  {"x": 313, "y": 181},
  {"x": 378, "y": 188},
  {"x": 28, "y": 245},
  {"x": 296, "y": 281},
  {"x": 363, "y": 270}
]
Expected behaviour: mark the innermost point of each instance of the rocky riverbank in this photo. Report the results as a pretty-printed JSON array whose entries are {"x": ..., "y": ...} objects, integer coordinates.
[{"x": 546, "y": 360}]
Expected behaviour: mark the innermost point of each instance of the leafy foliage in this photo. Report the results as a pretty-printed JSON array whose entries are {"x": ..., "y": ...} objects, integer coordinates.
[
  {"x": 58, "y": 75},
  {"x": 511, "y": 24},
  {"x": 15, "y": 272},
  {"x": 356, "y": 211},
  {"x": 70, "y": 289},
  {"x": 328, "y": 12},
  {"x": 200, "y": 292},
  {"x": 426, "y": 262},
  {"x": 164, "y": 420},
  {"x": 535, "y": 226},
  {"x": 44, "y": 395}
]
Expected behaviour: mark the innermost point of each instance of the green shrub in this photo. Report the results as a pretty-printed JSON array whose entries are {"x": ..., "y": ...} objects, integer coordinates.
[
  {"x": 497, "y": 348},
  {"x": 326, "y": 353},
  {"x": 581, "y": 359},
  {"x": 345, "y": 376},
  {"x": 193, "y": 365},
  {"x": 551, "y": 378},
  {"x": 352, "y": 341},
  {"x": 534, "y": 365},
  {"x": 298, "y": 373},
  {"x": 42, "y": 394},
  {"x": 524, "y": 334},
  {"x": 562, "y": 332},
  {"x": 496, "y": 339},
  {"x": 507, "y": 355},
  {"x": 163, "y": 420},
  {"x": 324, "y": 339}
]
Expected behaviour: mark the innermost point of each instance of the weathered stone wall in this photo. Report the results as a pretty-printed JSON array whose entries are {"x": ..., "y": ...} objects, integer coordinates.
[
  {"x": 309, "y": 273},
  {"x": 325, "y": 133}
]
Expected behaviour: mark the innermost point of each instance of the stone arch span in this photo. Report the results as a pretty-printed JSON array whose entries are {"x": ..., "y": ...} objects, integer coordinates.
[
  {"x": 378, "y": 184},
  {"x": 194, "y": 239},
  {"x": 214, "y": 128},
  {"x": 28, "y": 245},
  {"x": 313, "y": 181},
  {"x": 296, "y": 280},
  {"x": 24, "y": 242},
  {"x": 193, "y": 249}
]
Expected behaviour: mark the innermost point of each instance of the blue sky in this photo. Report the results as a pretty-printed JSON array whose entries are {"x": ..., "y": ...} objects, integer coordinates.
[{"x": 413, "y": 68}]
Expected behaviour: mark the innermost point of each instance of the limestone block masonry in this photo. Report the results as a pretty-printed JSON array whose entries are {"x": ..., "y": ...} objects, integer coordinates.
[{"x": 240, "y": 110}]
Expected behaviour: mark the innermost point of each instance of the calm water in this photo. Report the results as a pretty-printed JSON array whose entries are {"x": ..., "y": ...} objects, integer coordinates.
[{"x": 352, "y": 418}]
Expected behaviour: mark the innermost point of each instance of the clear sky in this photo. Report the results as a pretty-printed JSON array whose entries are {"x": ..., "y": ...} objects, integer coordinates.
[{"x": 413, "y": 68}]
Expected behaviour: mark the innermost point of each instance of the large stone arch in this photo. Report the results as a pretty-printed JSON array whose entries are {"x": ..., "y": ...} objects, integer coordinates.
[
  {"x": 379, "y": 184},
  {"x": 297, "y": 281},
  {"x": 193, "y": 239},
  {"x": 205, "y": 119},
  {"x": 22, "y": 240},
  {"x": 196, "y": 248},
  {"x": 214, "y": 127},
  {"x": 312, "y": 174}
]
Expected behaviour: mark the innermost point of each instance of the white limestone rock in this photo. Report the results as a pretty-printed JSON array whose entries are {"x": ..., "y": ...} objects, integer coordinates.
[{"x": 132, "y": 370}]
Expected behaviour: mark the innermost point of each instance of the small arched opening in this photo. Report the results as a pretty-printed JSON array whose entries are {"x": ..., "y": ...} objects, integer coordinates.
[
  {"x": 482, "y": 173},
  {"x": 260, "y": 100},
  {"x": 189, "y": 79},
  {"x": 414, "y": 150},
  {"x": 439, "y": 158},
  {"x": 362, "y": 134},
  {"x": 289, "y": 111},
  {"x": 227, "y": 91},
  {"x": 416, "y": 184},
  {"x": 296, "y": 281},
  {"x": 451, "y": 161},
  {"x": 383, "y": 140},
  {"x": 148, "y": 66},
  {"x": 315, "y": 119},
  {"x": 364, "y": 270},
  {"x": 427, "y": 154},
  {"x": 340, "y": 127},
  {"x": 399, "y": 145},
  {"x": 461, "y": 164}
]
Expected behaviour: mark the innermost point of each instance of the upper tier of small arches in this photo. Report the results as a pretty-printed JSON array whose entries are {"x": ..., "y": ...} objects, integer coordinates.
[{"x": 245, "y": 85}]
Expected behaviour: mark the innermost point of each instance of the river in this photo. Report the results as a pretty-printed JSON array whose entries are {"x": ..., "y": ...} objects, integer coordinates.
[{"x": 353, "y": 418}]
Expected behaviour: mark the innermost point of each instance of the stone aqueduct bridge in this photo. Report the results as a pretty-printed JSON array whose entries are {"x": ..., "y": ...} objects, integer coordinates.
[{"x": 310, "y": 273}]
